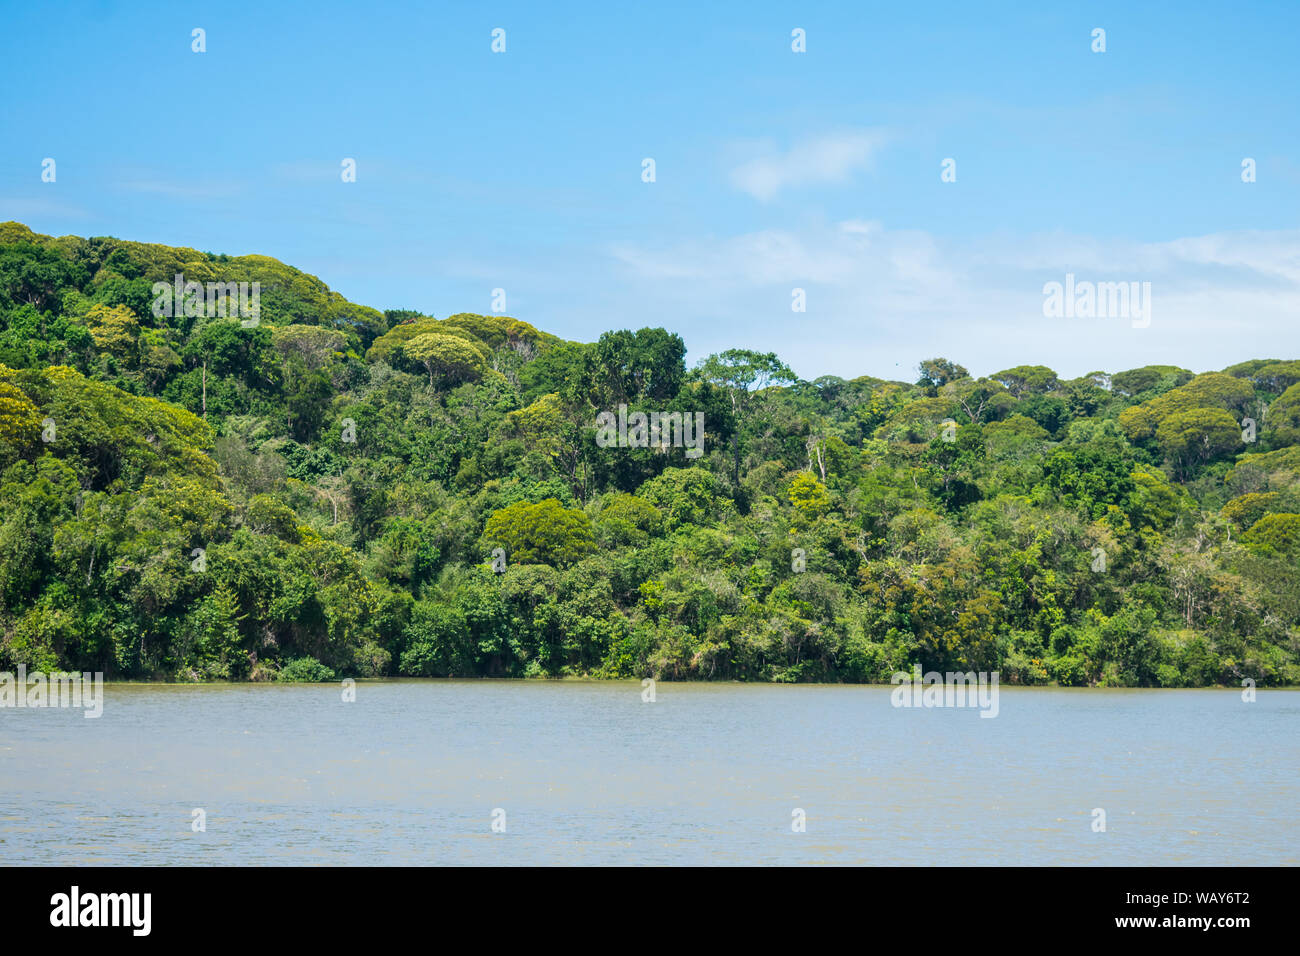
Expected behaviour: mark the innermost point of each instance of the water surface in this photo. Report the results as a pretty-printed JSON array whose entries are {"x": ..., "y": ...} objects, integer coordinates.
[{"x": 587, "y": 773}]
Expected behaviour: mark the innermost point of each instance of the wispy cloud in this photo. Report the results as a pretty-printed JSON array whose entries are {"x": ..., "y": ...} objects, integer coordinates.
[
  {"x": 308, "y": 170},
  {"x": 827, "y": 159},
  {"x": 21, "y": 208},
  {"x": 187, "y": 191},
  {"x": 879, "y": 298}
]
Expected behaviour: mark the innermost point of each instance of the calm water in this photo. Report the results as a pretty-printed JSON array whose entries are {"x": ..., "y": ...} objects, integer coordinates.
[{"x": 707, "y": 774}]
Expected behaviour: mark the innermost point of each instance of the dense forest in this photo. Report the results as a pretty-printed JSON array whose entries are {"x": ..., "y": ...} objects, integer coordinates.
[{"x": 329, "y": 490}]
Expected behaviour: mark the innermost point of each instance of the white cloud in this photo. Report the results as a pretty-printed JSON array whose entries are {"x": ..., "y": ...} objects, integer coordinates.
[
  {"x": 879, "y": 300},
  {"x": 827, "y": 159}
]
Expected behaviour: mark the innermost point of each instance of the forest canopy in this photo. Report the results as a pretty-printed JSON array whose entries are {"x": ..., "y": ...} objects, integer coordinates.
[{"x": 335, "y": 490}]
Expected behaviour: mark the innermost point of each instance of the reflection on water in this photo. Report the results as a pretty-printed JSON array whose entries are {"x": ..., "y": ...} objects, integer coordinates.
[{"x": 587, "y": 773}]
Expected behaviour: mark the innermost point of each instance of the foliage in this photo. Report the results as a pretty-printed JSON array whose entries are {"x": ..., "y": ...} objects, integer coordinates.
[
  {"x": 184, "y": 497},
  {"x": 306, "y": 670},
  {"x": 541, "y": 533}
]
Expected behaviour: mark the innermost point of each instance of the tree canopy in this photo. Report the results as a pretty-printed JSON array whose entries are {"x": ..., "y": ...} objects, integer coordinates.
[{"x": 338, "y": 491}]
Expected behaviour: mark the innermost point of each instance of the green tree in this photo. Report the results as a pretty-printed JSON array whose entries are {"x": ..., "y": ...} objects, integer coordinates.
[
  {"x": 541, "y": 533},
  {"x": 1277, "y": 534},
  {"x": 1196, "y": 436},
  {"x": 743, "y": 375},
  {"x": 449, "y": 357},
  {"x": 937, "y": 372}
]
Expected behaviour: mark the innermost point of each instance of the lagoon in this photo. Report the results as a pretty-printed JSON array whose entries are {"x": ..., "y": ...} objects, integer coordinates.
[{"x": 415, "y": 772}]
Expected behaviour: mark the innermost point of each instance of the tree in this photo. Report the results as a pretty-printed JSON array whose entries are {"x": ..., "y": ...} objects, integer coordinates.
[
  {"x": 541, "y": 533},
  {"x": 1284, "y": 416},
  {"x": 438, "y": 643},
  {"x": 211, "y": 639},
  {"x": 1090, "y": 480},
  {"x": 682, "y": 495},
  {"x": 954, "y": 466},
  {"x": 627, "y": 519},
  {"x": 1276, "y": 534},
  {"x": 502, "y": 331},
  {"x": 626, "y": 367},
  {"x": 32, "y": 274},
  {"x": 937, "y": 372},
  {"x": 1027, "y": 380},
  {"x": 808, "y": 497},
  {"x": 449, "y": 357},
  {"x": 20, "y": 420},
  {"x": 1277, "y": 377},
  {"x": 114, "y": 329},
  {"x": 1196, "y": 436},
  {"x": 311, "y": 344},
  {"x": 227, "y": 349},
  {"x": 743, "y": 375},
  {"x": 1211, "y": 390},
  {"x": 1159, "y": 378},
  {"x": 1083, "y": 396},
  {"x": 981, "y": 401},
  {"x": 1245, "y": 510}
]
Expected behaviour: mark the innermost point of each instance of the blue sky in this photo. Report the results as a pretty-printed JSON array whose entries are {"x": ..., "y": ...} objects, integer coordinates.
[{"x": 774, "y": 170}]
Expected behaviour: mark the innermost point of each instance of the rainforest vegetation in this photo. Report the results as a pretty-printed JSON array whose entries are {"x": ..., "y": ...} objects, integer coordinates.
[{"x": 338, "y": 491}]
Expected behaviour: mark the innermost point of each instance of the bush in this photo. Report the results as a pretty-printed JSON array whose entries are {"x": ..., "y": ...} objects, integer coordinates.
[
  {"x": 438, "y": 643},
  {"x": 305, "y": 670}
]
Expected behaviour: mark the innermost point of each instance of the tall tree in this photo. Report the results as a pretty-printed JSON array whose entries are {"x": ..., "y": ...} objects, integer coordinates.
[{"x": 743, "y": 374}]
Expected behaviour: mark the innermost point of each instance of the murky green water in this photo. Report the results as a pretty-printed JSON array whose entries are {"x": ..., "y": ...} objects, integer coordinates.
[{"x": 707, "y": 774}]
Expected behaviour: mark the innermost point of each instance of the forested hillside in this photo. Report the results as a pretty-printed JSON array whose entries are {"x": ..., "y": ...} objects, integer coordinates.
[{"x": 322, "y": 492}]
